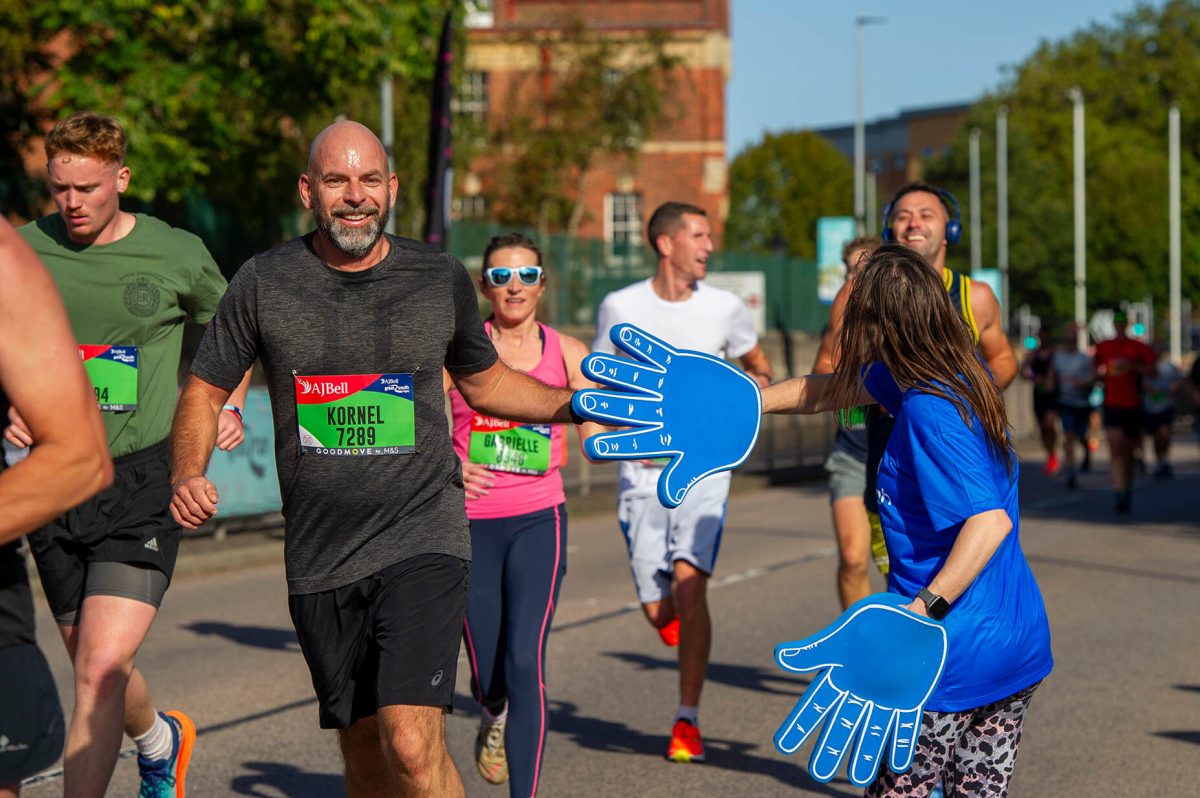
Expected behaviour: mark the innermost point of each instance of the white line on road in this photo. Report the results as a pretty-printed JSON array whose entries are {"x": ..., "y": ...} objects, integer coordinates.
[{"x": 715, "y": 584}]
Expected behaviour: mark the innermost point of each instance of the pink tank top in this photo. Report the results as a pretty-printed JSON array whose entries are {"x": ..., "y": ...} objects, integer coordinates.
[{"x": 524, "y": 457}]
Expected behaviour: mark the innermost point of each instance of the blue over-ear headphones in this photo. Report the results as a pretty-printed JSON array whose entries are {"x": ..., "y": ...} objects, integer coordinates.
[{"x": 953, "y": 226}]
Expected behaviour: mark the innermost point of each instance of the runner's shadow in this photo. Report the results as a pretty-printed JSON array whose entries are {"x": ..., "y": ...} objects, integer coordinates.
[
  {"x": 272, "y": 780},
  {"x": 254, "y": 636},
  {"x": 736, "y": 755},
  {"x": 1192, "y": 737},
  {"x": 760, "y": 680}
]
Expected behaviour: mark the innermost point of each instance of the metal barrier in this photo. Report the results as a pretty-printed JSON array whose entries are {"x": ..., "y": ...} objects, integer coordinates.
[{"x": 245, "y": 478}]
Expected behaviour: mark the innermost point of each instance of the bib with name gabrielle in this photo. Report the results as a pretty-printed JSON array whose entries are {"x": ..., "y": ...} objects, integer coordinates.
[
  {"x": 113, "y": 372},
  {"x": 507, "y": 446},
  {"x": 355, "y": 414}
]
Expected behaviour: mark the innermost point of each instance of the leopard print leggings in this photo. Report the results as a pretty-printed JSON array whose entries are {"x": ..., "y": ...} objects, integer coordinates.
[{"x": 973, "y": 752}]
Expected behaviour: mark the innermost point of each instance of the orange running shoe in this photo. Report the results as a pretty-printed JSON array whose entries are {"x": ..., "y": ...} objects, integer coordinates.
[
  {"x": 686, "y": 745},
  {"x": 167, "y": 778},
  {"x": 670, "y": 633}
]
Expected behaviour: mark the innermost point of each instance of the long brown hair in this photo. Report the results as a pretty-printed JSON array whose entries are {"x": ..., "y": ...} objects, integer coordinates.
[{"x": 899, "y": 313}]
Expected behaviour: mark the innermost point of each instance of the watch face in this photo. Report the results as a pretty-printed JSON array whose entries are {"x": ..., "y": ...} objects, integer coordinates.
[{"x": 935, "y": 605}]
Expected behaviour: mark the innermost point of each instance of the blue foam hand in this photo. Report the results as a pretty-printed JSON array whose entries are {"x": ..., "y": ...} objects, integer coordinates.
[
  {"x": 695, "y": 409},
  {"x": 879, "y": 664}
]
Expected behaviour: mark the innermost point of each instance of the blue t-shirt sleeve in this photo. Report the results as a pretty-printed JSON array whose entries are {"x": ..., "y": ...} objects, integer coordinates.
[
  {"x": 953, "y": 464},
  {"x": 882, "y": 386}
]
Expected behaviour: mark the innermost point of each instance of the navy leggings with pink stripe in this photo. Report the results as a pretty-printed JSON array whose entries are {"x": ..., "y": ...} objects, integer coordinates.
[{"x": 517, "y": 566}]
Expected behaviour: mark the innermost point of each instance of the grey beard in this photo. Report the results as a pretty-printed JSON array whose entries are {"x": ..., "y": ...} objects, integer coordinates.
[{"x": 355, "y": 243}]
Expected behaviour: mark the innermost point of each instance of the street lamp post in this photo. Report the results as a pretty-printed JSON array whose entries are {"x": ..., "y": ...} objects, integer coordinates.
[
  {"x": 976, "y": 204},
  {"x": 1076, "y": 95},
  {"x": 387, "y": 133},
  {"x": 1002, "y": 207},
  {"x": 860, "y": 136},
  {"x": 1173, "y": 201},
  {"x": 872, "y": 179}
]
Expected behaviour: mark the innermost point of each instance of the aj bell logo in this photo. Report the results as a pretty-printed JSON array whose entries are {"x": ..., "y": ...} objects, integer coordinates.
[
  {"x": 882, "y": 497},
  {"x": 322, "y": 387},
  {"x": 7, "y": 746}
]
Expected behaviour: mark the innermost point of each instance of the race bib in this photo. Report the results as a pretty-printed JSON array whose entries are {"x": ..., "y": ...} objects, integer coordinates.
[
  {"x": 508, "y": 446},
  {"x": 113, "y": 371},
  {"x": 355, "y": 414},
  {"x": 851, "y": 418}
]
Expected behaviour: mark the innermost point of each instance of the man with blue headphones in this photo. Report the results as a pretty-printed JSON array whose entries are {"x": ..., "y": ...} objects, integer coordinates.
[
  {"x": 919, "y": 216},
  {"x": 926, "y": 219}
]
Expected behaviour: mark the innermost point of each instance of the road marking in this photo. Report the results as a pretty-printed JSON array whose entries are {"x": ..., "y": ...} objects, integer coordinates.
[
  {"x": 715, "y": 584},
  {"x": 1055, "y": 502},
  {"x": 56, "y": 773}
]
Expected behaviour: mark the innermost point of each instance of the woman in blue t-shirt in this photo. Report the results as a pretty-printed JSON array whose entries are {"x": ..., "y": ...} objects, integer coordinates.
[{"x": 947, "y": 493}]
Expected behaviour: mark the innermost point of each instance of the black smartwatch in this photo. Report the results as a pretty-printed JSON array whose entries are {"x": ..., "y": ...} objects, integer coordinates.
[{"x": 935, "y": 605}]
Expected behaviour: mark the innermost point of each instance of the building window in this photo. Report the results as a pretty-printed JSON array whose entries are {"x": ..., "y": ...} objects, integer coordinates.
[
  {"x": 469, "y": 208},
  {"x": 623, "y": 226},
  {"x": 471, "y": 99}
]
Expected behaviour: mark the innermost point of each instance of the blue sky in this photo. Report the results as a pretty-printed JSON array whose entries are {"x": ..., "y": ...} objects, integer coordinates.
[{"x": 793, "y": 60}]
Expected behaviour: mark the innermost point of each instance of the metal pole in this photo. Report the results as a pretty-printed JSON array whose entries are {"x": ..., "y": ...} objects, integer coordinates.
[
  {"x": 860, "y": 134},
  {"x": 976, "y": 210},
  {"x": 1076, "y": 95},
  {"x": 1002, "y": 208},
  {"x": 872, "y": 214},
  {"x": 387, "y": 122},
  {"x": 1173, "y": 213}
]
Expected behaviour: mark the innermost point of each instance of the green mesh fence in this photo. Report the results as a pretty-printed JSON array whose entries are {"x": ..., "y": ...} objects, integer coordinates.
[{"x": 581, "y": 271}]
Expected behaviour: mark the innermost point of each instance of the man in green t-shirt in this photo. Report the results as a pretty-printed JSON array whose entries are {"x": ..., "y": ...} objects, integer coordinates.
[{"x": 129, "y": 282}]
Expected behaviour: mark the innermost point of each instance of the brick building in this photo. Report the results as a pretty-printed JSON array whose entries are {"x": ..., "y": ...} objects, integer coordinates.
[{"x": 682, "y": 159}]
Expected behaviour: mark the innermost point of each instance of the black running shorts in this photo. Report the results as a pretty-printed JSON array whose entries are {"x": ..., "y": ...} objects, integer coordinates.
[
  {"x": 129, "y": 522},
  {"x": 31, "y": 718},
  {"x": 391, "y": 638},
  {"x": 1126, "y": 419}
]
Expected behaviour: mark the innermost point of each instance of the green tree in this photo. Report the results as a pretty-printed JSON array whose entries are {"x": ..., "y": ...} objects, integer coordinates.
[
  {"x": 596, "y": 95},
  {"x": 222, "y": 99},
  {"x": 780, "y": 187},
  {"x": 1130, "y": 73}
]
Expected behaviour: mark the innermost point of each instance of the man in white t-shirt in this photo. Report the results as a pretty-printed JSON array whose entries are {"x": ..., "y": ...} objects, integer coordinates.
[
  {"x": 1074, "y": 378},
  {"x": 672, "y": 552},
  {"x": 1159, "y": 392}
]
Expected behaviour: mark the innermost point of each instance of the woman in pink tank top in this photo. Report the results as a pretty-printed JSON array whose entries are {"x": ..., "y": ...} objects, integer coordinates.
[{"x": 518, "y": 519}]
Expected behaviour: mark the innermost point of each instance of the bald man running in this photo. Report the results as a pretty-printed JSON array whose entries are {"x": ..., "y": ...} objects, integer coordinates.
[{"x": 353, "y": 328}]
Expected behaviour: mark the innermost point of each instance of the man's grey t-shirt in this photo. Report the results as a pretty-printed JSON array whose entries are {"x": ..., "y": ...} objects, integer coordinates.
[{"x": 347, "y": 517}]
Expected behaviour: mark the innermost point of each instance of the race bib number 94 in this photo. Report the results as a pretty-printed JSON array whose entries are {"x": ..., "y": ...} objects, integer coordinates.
[
  {"x": 507, "y": 446},
  {"x": 355, "y": 414},
  {"x": 113, "y": 371}
]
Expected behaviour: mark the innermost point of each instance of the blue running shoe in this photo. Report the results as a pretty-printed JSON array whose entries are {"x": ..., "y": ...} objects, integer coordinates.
[
  {"x": 937, "y": 791},
  {"x": 165, "y": 778}
]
